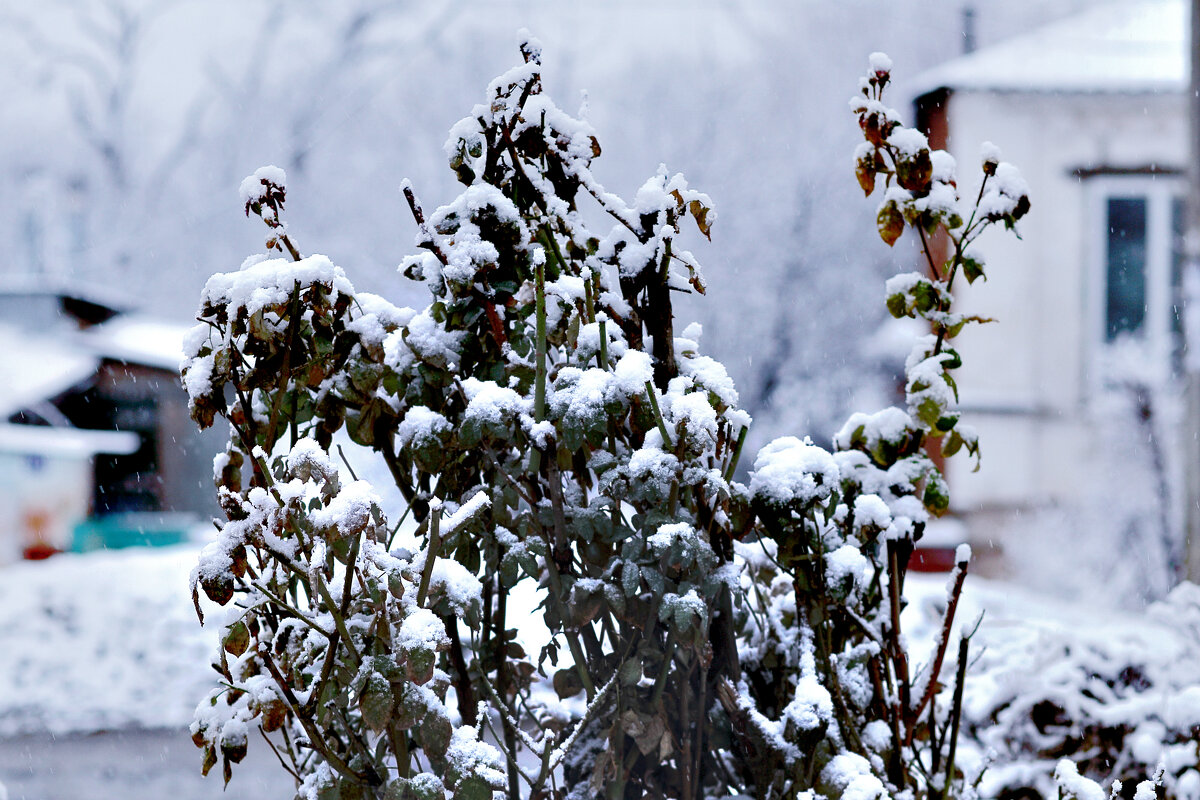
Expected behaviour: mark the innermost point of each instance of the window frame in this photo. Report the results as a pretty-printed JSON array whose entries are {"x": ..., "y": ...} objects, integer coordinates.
[{"x": 1160, "y": 191}]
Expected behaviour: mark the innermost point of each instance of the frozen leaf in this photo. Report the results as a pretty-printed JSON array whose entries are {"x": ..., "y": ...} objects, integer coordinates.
[
  {"x": 375, "y": 702},
  {"x": 890, "y": 223},
  {"x": 237, "y": 638}
]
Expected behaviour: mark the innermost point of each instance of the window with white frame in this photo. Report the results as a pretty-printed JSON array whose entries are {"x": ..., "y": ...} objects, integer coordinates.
[{"x": 1137, "y": 260}]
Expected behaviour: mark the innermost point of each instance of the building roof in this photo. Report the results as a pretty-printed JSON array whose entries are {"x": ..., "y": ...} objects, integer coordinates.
[
  {"x": 36, "y": 368},
  {"x": 1128, "y": 46},
  {"x": 65, "y": 442},
  {"x": 138, "y": 339},
  {"x": 87, "y": 304},
  {"x": 39, "y": 366}
]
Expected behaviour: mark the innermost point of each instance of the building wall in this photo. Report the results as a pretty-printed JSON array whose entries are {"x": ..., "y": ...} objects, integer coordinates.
[
  {"x": 183, "y": 455},
  {"x": 1029, "y": 380},
  {"x": 42, "y": 498}
]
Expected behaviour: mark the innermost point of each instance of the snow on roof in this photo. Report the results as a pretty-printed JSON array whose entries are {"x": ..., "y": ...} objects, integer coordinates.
[
  {"x": 137, "y": 339},
  {"x": 65, "y": 442},
  {"x": 23, "y": 284},
  {"x": 35, "y": 368},
  {"x": 1122, "y": 47}
]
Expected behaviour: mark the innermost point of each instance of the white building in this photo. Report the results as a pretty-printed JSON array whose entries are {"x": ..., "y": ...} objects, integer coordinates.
[
  {"x": 96, "y": 445},
  {"x": 1091, "y": 110}
]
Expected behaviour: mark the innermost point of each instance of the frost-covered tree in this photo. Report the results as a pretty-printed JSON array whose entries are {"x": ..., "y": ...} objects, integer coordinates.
[{"x": 546, "y": 425}]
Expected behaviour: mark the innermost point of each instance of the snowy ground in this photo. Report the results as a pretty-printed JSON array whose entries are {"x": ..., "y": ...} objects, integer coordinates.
[
  {"x": 110, "y": 642},
  {"x": 129, "y": 765}
]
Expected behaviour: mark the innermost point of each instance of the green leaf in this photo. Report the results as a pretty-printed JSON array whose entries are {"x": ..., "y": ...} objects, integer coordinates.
[
  {"x": 631, "y": 579},
  {"x": 473, "y": 788},
  {"x": 630, "y": 672},
  {"x": 925, "y": 296},
  {"x": 375, "y": 702}
]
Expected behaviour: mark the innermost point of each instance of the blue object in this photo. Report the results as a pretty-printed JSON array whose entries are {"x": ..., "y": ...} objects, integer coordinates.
[{"x": 135, "y": 529}]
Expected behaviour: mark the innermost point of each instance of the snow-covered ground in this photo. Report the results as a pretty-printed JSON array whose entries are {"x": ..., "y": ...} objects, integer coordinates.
[
  {"x": 100, "y": 642},
  {"x": 110, "y": 642}
]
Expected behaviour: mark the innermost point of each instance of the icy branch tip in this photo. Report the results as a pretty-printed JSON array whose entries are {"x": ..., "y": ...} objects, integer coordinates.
[
  {"x": 880, "y": 62},
  {"x": 254, "y": 187},
  {"x": 531, "y": 47},
  {"x": 962, "y": 554},
  {"x": 469, "y": 509}
]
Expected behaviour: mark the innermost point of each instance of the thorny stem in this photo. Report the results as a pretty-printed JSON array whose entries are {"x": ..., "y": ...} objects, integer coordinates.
[
  {"x": 286, "y": 369},
  {"x": 462, "y": 679},
  {"x": 960, "y": 575},
  {"x": 338, "y": 618},
  {"x": 956, "y": 713},
  {"x": 340, "y": 631},
  {"x": 899, "y": 659},
  {"x": 314, "y": 735},
  {"x": 603, "y": 345},
  {"x": 435, "y": 515},
  {"x": 539, "y": 392},
  {"x": 737, "y": 454},
  {"x": 279, "y": 755},
  {"x": 568, "y": 634},
  {"x": 506, "y": 724},
  {"x": 658, "y": 417},
  {"x": 928, "y": 254}
]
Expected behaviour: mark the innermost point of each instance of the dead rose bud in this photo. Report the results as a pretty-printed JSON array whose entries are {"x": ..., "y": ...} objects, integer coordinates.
[
  {"x": 990, "y": 156},
  {"x": 881, "y": 67}
]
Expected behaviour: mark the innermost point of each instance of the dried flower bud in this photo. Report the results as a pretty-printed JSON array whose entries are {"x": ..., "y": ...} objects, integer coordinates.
[{"x": 990, "y": 156}]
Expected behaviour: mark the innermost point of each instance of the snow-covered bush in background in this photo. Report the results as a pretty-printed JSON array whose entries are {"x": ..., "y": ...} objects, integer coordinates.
[
  {"x": 546, "y": 425},
  {"x": 1116, "y": 692}
]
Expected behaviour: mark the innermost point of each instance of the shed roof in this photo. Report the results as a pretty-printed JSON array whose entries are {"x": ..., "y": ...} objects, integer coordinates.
[
  {"x": 138, "y": 339},
  {"x": 1118, "y": 47},
  {"x": 35, "y": 368},
  {"x": 65, "y": 442}
]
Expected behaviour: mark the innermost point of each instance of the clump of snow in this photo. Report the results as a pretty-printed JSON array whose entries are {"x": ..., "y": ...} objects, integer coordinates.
[
  {"x": 846, "y": 562},
  {"x": 1074, "y": 785},
  {"x": 420, "y": 427},
  {"x": 851, "y": 776},
  {"x": 891, "y": 425},
  {"x": 632, "y": 372},
  {"x": 253, "y": 188},
  {"x": 488, "y": 402},
  {"x": 270, "y": 283},
  {"x": 467, "y": 755},
  {"x": 349, "y": 512},
  {"x": 880, "y": 62},
  {"x": 989, "y": 155},
  {"x": 790, "y": 470},
  {"x": 1004, "y": 192},
  {"x": 307, "y": 459},
  {"x": 944, "y": 166},
  {"x": 421, "y": 629},
  {"x": 909, "y": 142},
  {"x": 871, "y": 511}
]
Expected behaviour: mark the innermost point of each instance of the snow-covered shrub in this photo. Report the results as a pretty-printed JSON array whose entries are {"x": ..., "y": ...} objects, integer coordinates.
[
  {"x": 545, "y": 425},
  {"x": 1117, "y": 693}
]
